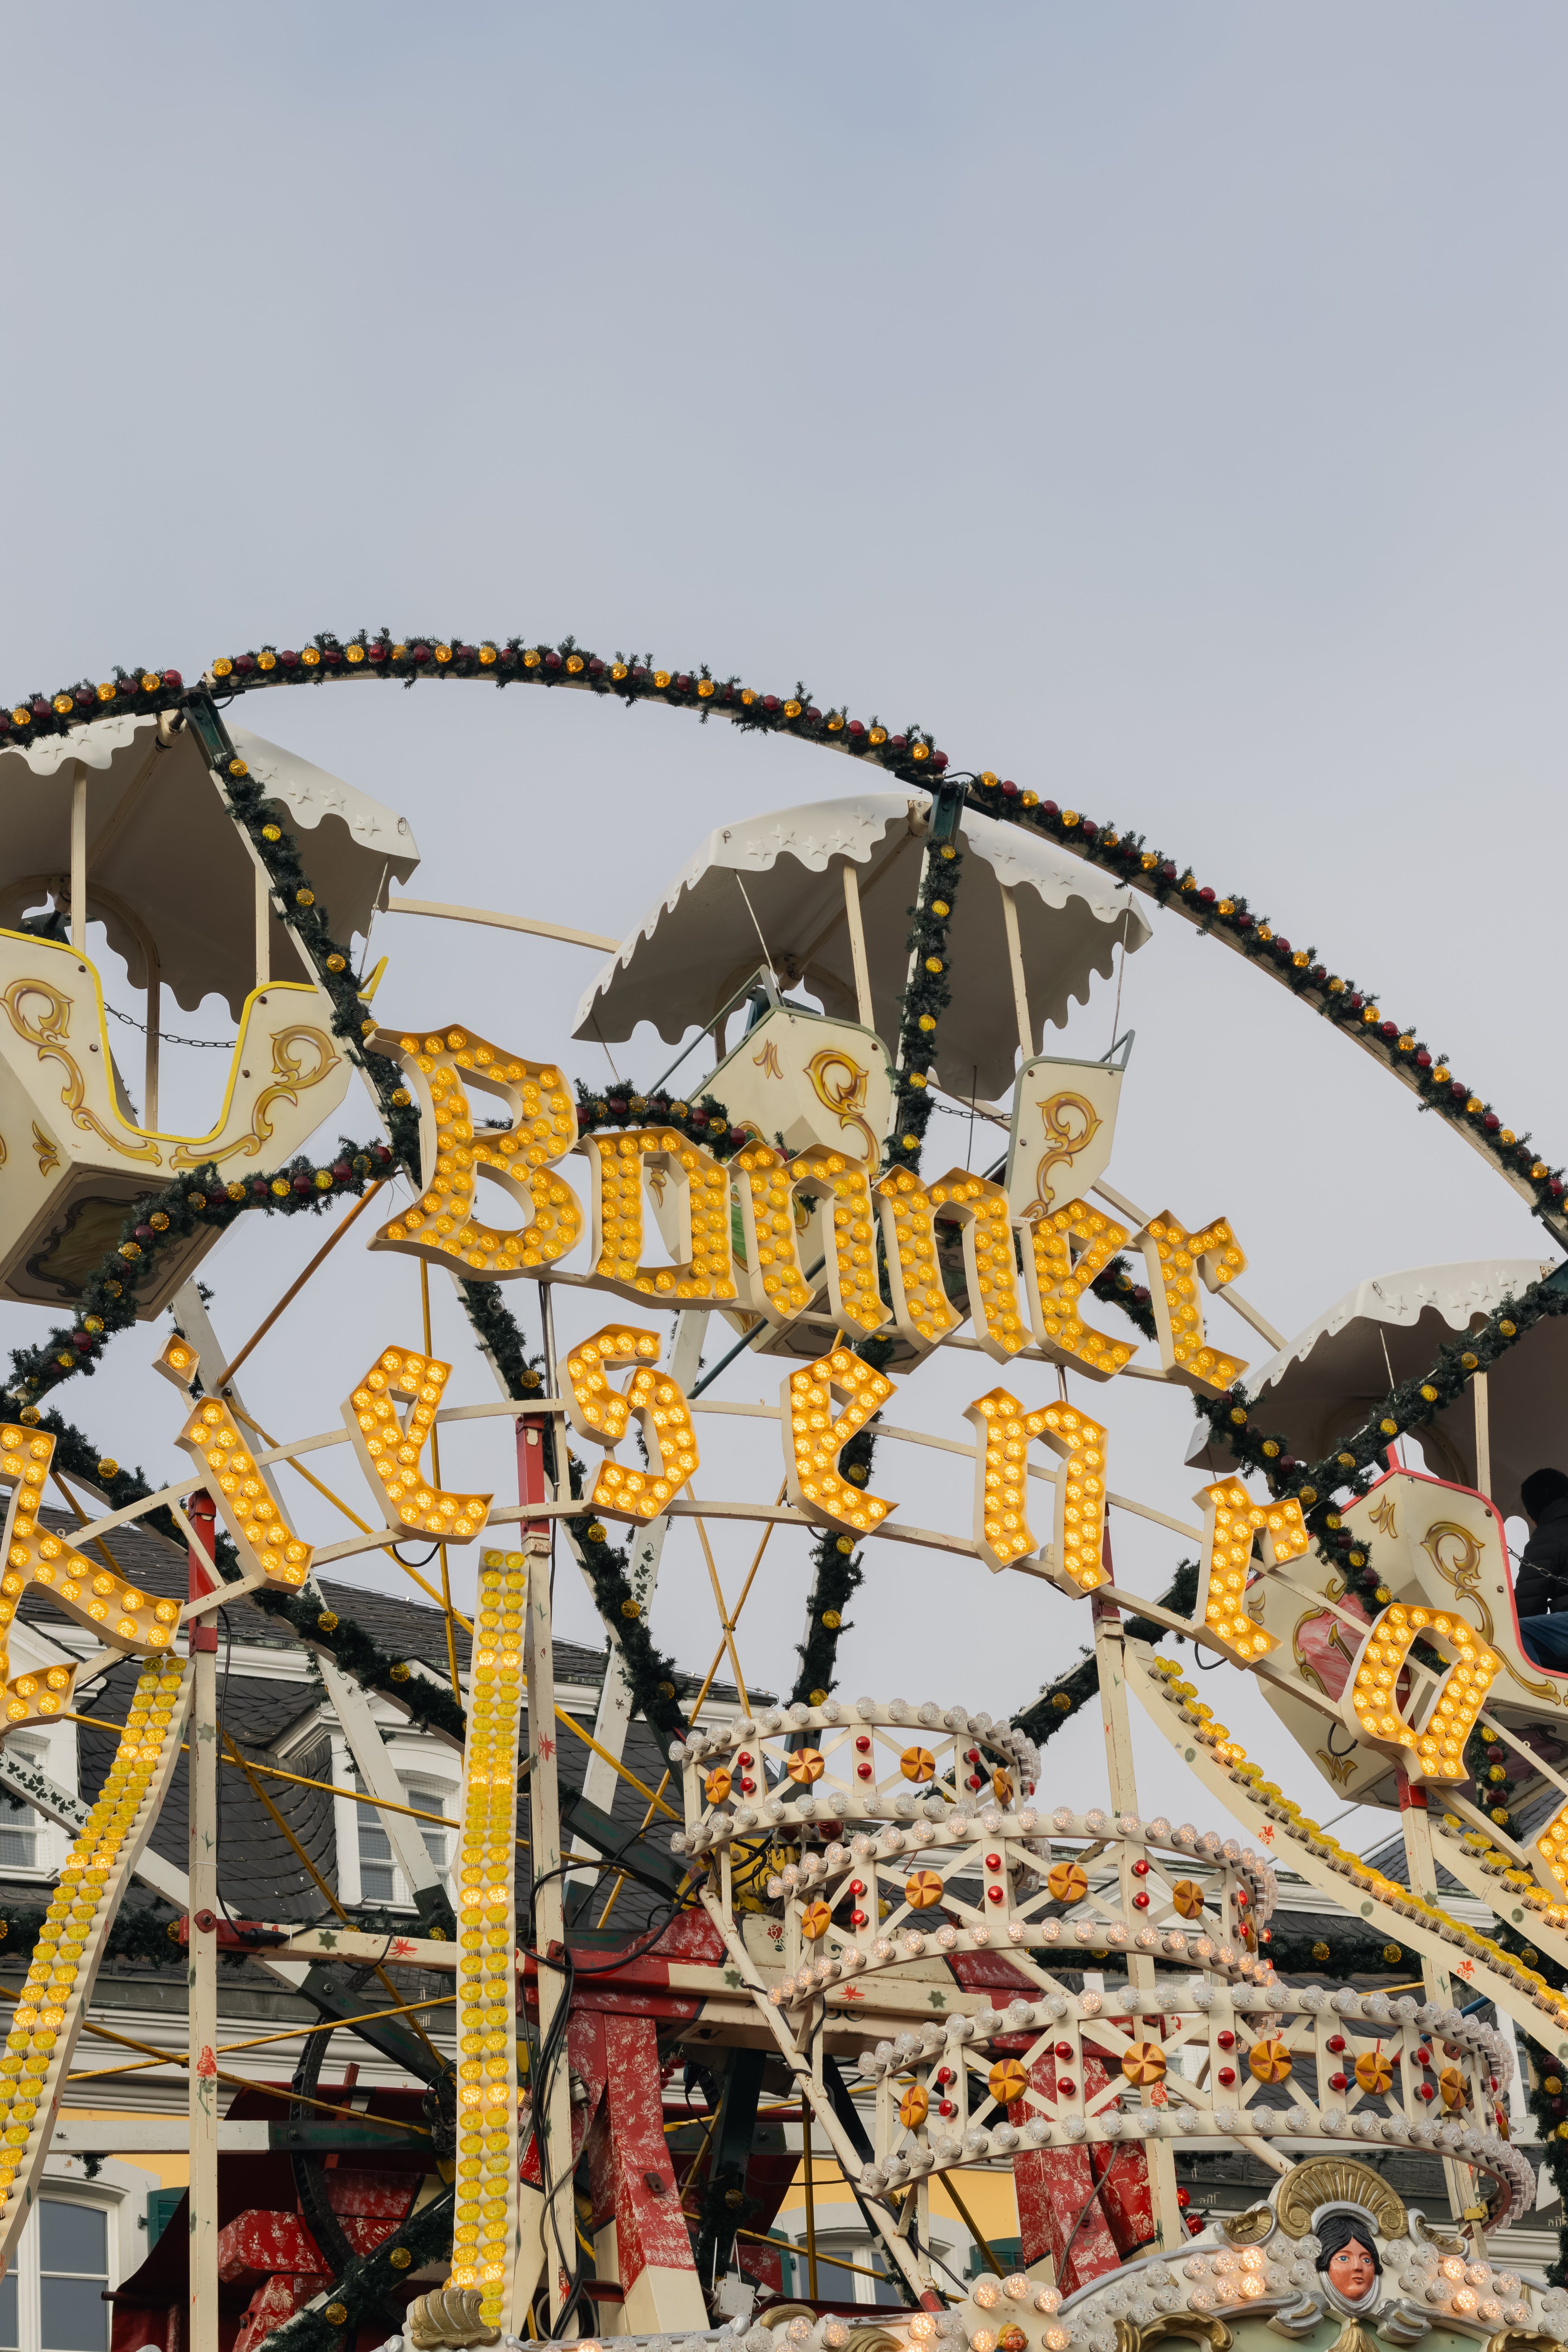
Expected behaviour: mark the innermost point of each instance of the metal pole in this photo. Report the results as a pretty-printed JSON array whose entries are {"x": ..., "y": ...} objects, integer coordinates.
[
  {"x": 202, "y": 1935},
  {"x": 553, "y": 2214},
  {"x": 263, "y": 933},
  {"x": 78, "y": 859},
  {"x": 149, "y": 1067},
  {"x": 857, "y": 946},
  {"x": 1015, "y": 965},
  {"x": 1483, "y": 1435},
  {"x": 547, "y": 1332},
  {"x": 810, "y": 2205}
]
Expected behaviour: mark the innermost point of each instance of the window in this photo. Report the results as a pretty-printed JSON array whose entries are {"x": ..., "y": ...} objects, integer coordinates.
[
  {"x": 18, "y": 1830},
  {"x": 55, "y": 2286},
  {"x": 380, "y": 1880},
  {"x": 73, "y": 2271},
  {"x": 377, "y": 1875},
  {"x": 836, "y": 2282},
  {"x": 431, "y": 1799}
]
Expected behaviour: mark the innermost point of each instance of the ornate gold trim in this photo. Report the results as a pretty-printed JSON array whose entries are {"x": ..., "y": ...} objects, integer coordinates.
[
  {"x": 847, "y": 1101},
  {"x": 292, "y": 1084},
  {"x": 48, "y": 1155},
  {"x": 1522, "y": 2340},
  {"x": 448, "y": 2316},
  {"x": 1069, "y": 1145},
  {"x": 1447, "y": 2242},
  {"x": 1204, "y": 2326},
  {"x": 1466, "y": 1581},
  {"x": 47, "y": 1033},
  {"x": 1323, "y": 2180},
  {"x": 1250, "y": 2229}
]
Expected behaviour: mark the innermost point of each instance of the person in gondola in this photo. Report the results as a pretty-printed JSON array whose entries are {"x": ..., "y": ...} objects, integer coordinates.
[{"x": 1540, "y": 1588}]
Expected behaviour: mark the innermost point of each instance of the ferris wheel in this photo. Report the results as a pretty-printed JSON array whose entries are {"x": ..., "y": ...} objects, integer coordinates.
[{"x": 877, "y": 1891}]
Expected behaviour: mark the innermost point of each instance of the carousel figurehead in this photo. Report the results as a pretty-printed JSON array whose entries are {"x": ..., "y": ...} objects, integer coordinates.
[{"x": 1348, "y": 2261}]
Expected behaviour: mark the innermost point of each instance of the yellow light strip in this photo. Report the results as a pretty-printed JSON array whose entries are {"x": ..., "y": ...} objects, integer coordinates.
[{"x": 485, "y": 2217}]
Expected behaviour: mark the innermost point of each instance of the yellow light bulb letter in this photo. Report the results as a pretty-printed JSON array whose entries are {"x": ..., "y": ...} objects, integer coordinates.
[
  {"x": 1372, "y": 1707},
  {"x": 763, "y": 1193},
  {"x": 813, "y": 1438},
  {"x": 990, "y": 1266},
  {"x": 923, "y": 1311},
  {"x": 1063, "y": 1253},
  {"x": 1176, "y": 1260},
  {"x": 391, "y": 1446},
  {"x": 85, "y": 1590},
  {"x": 226, "y": 1466},
  {"x": 602, "y": 1412},
  {"x": 1002, "y": 1532},
  {"x": 443, "y": 1067},
  {"x": 1232, "y": 1523},
  {"x": 698, "y": 1208}
]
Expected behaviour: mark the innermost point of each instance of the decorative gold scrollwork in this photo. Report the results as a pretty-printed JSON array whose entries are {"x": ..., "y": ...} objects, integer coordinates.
[
  {"x": 846, "y": 1096},
  {"x": 1251, "y": 2228},
  {"x": 1202, "y": 2326},
  {"x": 1329, "y": 2179},
  {"x": 1465, "y": 1576},
  {"x": 47, "y": 1030},
  {"x": 292, "y": 1081},
  {"x": 1058, "y": 1114}
]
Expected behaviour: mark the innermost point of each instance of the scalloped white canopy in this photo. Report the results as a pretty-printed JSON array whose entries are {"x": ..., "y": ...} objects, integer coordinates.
[
  {"x": 1322, "y": 1385},
  {"x": 164, "y": 862},
  {"x": 698, "y": 942}
]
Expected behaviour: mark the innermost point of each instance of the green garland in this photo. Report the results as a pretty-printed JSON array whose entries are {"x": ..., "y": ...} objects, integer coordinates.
[
  {"x": 373, "y": 2286},
  {"x": 910, "y": 755},
  {"x": 162, "y": 1221},
  {"x": 929, "y": 992},
  {"x": 326, "y": 957},
  {"x": 655, "y": 1679},
  {"x": 839, "y": 1572},
  {"x": 704, "y": 1121},
  {"x": 1409, "y": 1405},
  {"x": 1060, "y": 1700},
  {"x": 1492, "y": 1768},
  {"x": 1349, "y": 1951},
  {"x": 1114, "y": 1285}
]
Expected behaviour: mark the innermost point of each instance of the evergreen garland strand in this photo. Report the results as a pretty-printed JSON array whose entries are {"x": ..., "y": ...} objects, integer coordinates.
[
  {"x": 910, "y": 755},
  {"x": 162, "y": 1221},
  {"x": 1060, "y": 1700},
  {"x": 372, "y": 2286},
  {"x": 1359, "y": 1461}
]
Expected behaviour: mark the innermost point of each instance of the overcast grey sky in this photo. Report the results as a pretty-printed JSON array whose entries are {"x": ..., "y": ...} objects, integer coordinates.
[{"x": 1163, "y": 404}]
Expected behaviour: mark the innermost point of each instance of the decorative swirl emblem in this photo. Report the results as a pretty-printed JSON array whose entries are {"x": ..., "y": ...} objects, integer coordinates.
[
  {"x": 293, "y": 1079},
  {"x": 1062, "y": 1114},
  {"x": 840, "y": 1084},
  {"x": 47, "y": 1030},
  {"x": 1461, "y": 1569}
]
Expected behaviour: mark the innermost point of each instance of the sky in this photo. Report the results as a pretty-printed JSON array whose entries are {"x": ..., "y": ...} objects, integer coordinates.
[{"x": 1162, "y": 404}]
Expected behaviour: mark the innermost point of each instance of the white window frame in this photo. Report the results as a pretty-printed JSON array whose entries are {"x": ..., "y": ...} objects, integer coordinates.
[
  {"x": 52, "y": 1749},
  {"x": 423, "y": 1781},
  {"x": 120, "y": 2193}
]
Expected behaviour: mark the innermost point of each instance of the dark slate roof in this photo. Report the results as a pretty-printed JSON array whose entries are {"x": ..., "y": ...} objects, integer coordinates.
[
  {"x": 261, "y": 1875},
  {"x": 405, "y": 1628}
]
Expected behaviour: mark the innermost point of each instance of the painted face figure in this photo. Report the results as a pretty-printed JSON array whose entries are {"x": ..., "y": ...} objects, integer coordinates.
[{"x": 1352, "y": 2270}]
